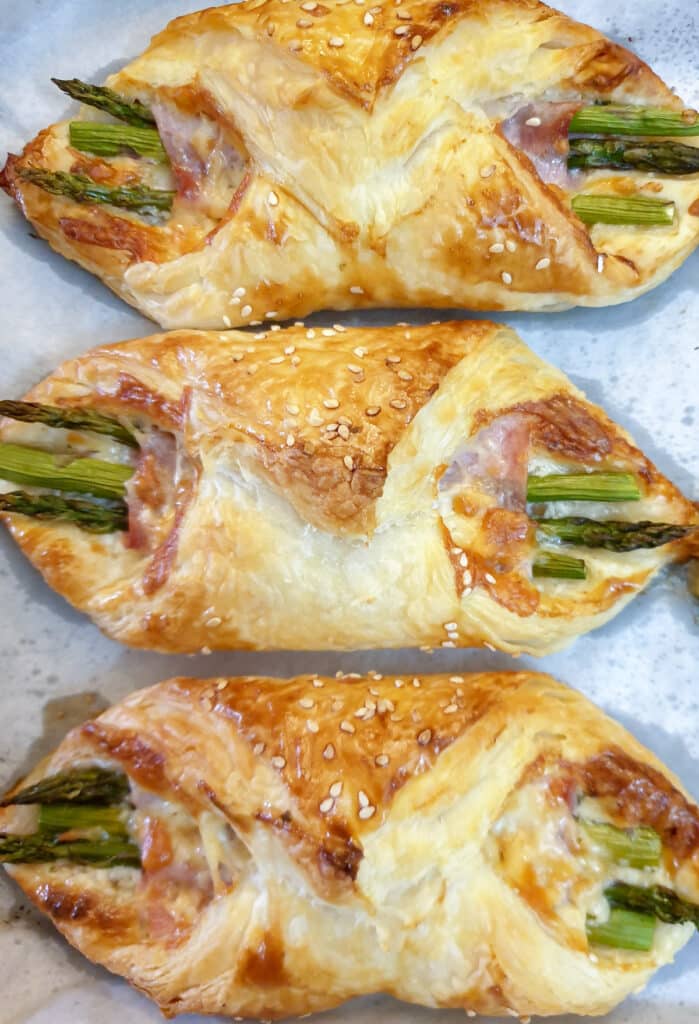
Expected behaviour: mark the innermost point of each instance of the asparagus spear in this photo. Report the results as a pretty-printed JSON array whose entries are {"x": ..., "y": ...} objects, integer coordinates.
[
  {"x": 110, "y": 139},
  {"x": 657, "y": 900},
  {"x": 583, "y": 487},
  {"x": 620, "y": 154},
  {"x": 639, "y": 847},
  {"x": 68, "y": 419},
  {"x": 41, "y": 848},
  {"x": 613, "y": 535},
  {"x": 615, "y": 119},
  {"x": 35, "y": 467},
  {"x": 82, "y": 189},
  {"x": 90, "y": 785},
  {"x": 595, "y": 209},
  {"x": 559, "y": 567},
  {"x": 624, "y": 929},
  {"x": 88, "y": 515},
  {"x": 131, "y": 111},
  {"x": 60, "y": 818}
]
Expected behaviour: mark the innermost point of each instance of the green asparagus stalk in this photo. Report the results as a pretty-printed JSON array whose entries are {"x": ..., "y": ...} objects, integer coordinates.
[
  {"x": 559, "y": 567},
  {"x": 41, "y": 848},
  {"x": 90, "y": 785},
  {"x": 68, "y": 419},
  {"x": 621, "y": 154},
  {"x": 111, "y": 139},
  {"x": 583, "y": 487},
  {"x": 624, "y": 929},
  {"x": 131, "y": 111},
  {"x": 638, "y": 847},
  {"x": 88, "y": 515},
  {"x": 82, "y": 189},
  {"x": 614, "y": 119},
  {"x": 613, "y": 535},
  {"x": 38, "y": 468},
  {"x": 657, "y": 900},
  {"x": 60, "y": 818},
  {"x": 642, "y": 210}
]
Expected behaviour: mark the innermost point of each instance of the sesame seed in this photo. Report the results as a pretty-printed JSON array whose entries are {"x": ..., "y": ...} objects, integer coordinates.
[
  {"x": 533, "y": 122},
  {"x": 381, "y": 760},
  {"x": 343, "y": 431},
  {"x": 416, "y": 682},
  {"x": 314, "y": 418},
  {"x": 246, "y": 311},
  {"x": 312, "y": 726},
  {"x": 543, "y": 263},
  {"x": 214, "y": 622},
  {"x": 488, "y": 172},
  {"x": 497, "y": 247},
  {"x": 385, "y": 705},
  {"x": 309, "y": 5},
  {"x": 353, "y": 368},
  {"x": 489, "y": 577},
  {"x": 404, "y": 375},
  {"x": 273, "y": 199},
  {"x": 237, "y": 356},
  {"x": 331, "y": 428},
  {"x": 398, "y": 683},
  {"x": 510, "y": 245},
  {"x": 337, "y": 41},
  {"x": 278, "y": 762},
  {"x": 450, "y": 625},
  {"x": 326, "y": 805},
  {"x": 329, "y": 752},
  {"x": 404, "y": 15},
  {"x": 348, "y": 461},
  {"x": 310, "y": 333},
  {"x": 424, "y": 737},
  {"x": 276, "y": 327},
  {"x": 295, "y": 360},
  {"x": 318, "y": 683},
  {"x": 363, "y": 712},
  {"x": 416, "y": 42},
  {"x": 397, "y": 403},
  {"x": 239, "y": 292},
  {"x": 467, "y": 577},
  {"x": 295, "y": 45},
  {"x": 346, "y": 726},
  {"x": 331, "y": 403},
  {"x": 402, "y": 30},
  {"x": 335, "y": 789},
  {"x": 226, "y": 320},
  {"x": 363, "y": 798},
  {"x": 392, "y": 359},
  {"x": 600, "y": 263},
  {"x": 356, "y": 289},
  {"x": 304, "y": 23},
  {"x": 360, "y": 352},
  {"x": 328, "y": 332},
  {"x": 373, "y": 410},
  {"x": 306, "y": 702},
  {"x": 456, "y": 679},
  {"x": 293, "y": 410},
  {"x": 506, "y": 278},
  {"x": 367, "y": 812},
  {"x": 451, "y": 709},
  {"x": 368, "y": 19},
  {"x": 277, "y": 359},
  {"x": 235, "y": 300},
  {"x": 271, "y": 314},
  {"x": 448, "y": 643},
  {"x": 463, "y": 561}
]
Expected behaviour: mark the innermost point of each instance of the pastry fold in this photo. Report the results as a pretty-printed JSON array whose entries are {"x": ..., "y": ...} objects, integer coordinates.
[
  {"x": 329, "y": 489},
  {"x": 307, "y": 841},
  {"x": 344, "y": 157}
]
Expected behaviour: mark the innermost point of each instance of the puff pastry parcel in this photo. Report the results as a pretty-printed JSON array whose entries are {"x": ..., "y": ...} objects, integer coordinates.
[
  {"x": 317, "y": 489},
  {"x": 472, "y": 842},
  {"x": 343, "y": 156}
]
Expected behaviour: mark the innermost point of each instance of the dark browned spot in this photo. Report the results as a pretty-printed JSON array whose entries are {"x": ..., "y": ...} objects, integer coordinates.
[
  {"x": 264, "y": 966},
  {"x": 143, "y": 764}
]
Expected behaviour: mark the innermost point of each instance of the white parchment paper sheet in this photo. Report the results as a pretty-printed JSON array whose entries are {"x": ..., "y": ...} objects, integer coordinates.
[{"x": 640, "y": 361}]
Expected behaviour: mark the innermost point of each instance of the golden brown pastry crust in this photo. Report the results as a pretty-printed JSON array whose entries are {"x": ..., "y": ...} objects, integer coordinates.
[
  {"x": 376, "y": 173},
  {"x": 370, "y": 819},
  {"x": 312, "y": 509}
]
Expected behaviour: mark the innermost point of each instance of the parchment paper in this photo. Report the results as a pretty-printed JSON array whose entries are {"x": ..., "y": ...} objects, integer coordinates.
[{"x": 640, "y": 361}]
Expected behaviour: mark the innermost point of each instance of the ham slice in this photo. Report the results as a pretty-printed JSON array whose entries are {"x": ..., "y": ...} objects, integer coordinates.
[
  {"x": 494, "y": 461},
  {"x": 540, "y": 131}
]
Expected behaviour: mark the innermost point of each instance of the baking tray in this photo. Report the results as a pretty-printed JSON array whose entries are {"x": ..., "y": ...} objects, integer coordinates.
[{"x": 640, "y": 361}]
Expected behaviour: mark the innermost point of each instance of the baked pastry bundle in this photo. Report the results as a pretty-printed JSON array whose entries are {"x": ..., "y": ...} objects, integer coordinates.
[
  {"x": 268, "y": 848},
  {"x": 266, "y": 159},
  {"x": 317, "y": 489}
]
